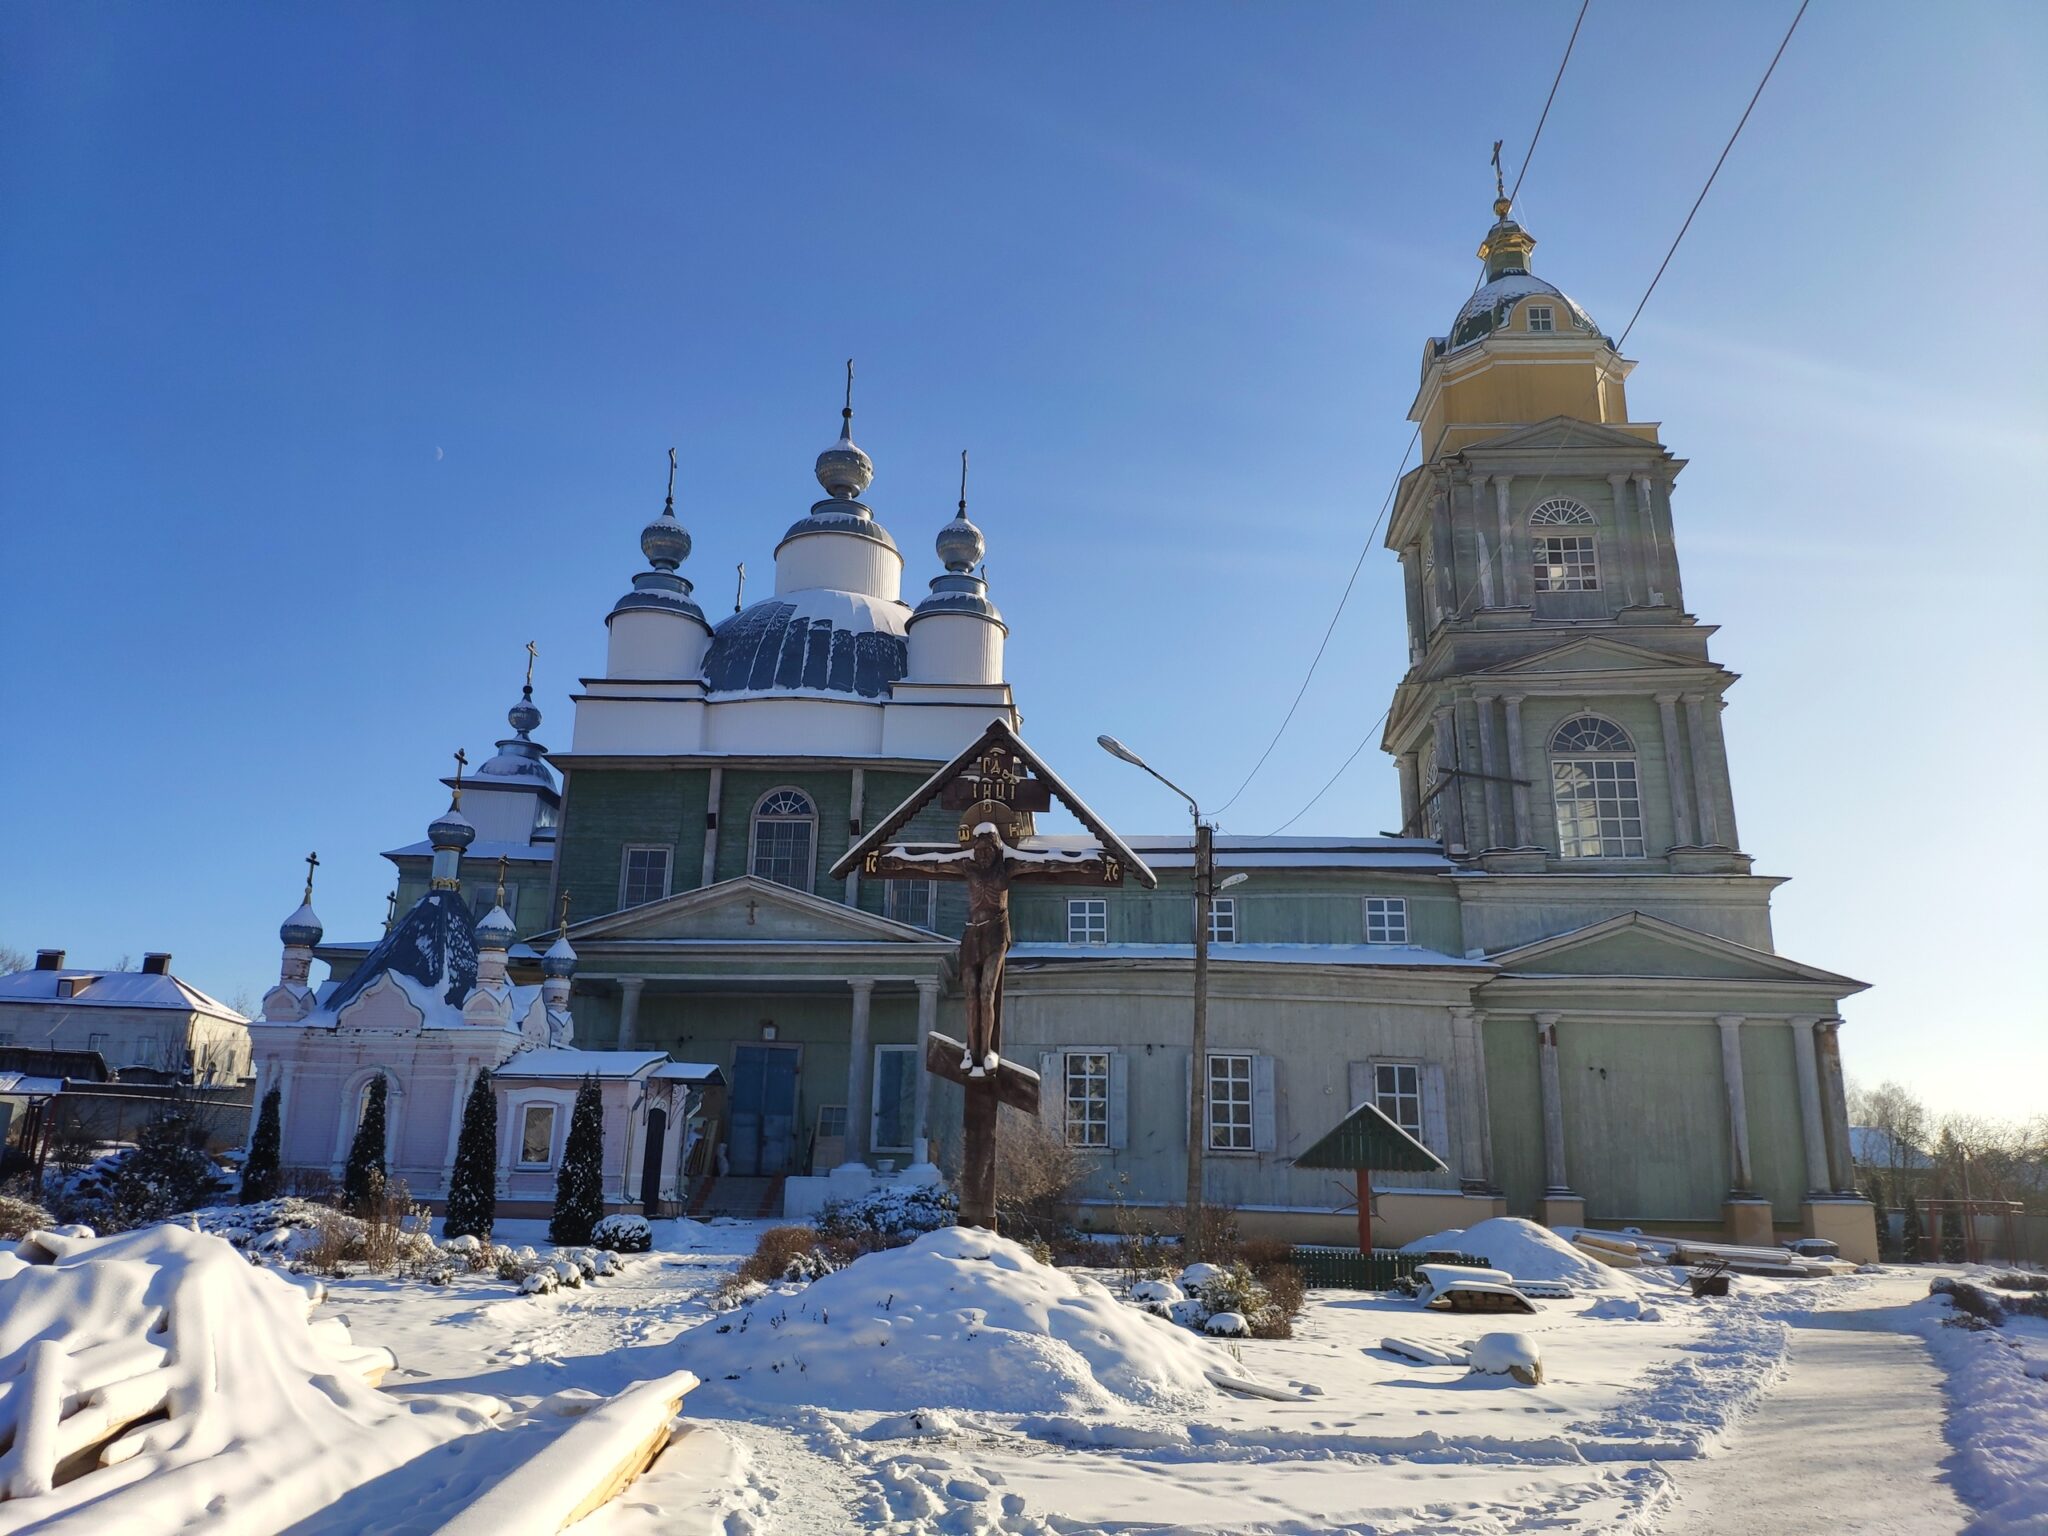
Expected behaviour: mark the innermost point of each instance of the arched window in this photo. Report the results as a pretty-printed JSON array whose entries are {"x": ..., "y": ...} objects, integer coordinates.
[
  {"x": 785, "y": 837},
  {"x": 1593, "y": 782},
  {"x": 1563, "y": 561}
]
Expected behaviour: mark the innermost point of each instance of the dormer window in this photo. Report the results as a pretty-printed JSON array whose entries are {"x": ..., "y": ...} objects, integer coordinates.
[{"x": 1542, "y": 317}]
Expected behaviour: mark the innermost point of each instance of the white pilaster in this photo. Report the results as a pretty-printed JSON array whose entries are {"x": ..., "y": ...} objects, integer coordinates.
[
  {"x": 1702, "y": 781},
  {"x": 1738, "y": 1114},
  {"x": 1835, "y": 1103},
  {"x": 1490, "y": 765},
  {"x": 1510, "y": 555},
  {"x": 1475, "y": 1160},
  {"x": 853, "y": 876},
  {"x": 1411, "y": 794},
  {"x": 1812, "y": 1128},
  {"x": 1675, "y": 788},
  {"x": 1450, "y": 796},
  {"x": 630, "y": 988},
  {"x": 1518, "y": 770},
  {"x": 713, "y": 788}
]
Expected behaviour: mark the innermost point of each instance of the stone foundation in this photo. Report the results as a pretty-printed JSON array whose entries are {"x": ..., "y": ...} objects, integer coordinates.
[
  {"x": 1748, "y": 1222},
  {"x": 1850, "y": 1224}
]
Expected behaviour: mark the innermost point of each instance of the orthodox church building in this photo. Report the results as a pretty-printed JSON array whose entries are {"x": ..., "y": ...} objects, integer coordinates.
[{"x": 1560, "y": 976}]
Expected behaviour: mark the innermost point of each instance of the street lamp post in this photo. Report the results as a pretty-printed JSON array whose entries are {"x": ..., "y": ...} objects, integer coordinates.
[{"x": 1198, "y": 1075}]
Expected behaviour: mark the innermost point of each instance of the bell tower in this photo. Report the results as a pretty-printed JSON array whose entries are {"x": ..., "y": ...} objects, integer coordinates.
[{"x": 1560, "y": 712}]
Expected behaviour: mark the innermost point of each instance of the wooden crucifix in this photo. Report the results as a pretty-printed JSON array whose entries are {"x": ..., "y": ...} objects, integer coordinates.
[{"x": 994, "y": 787}]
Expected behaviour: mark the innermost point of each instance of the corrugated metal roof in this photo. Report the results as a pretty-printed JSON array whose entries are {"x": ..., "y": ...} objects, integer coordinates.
[{"x": 1366, "y": 1138}]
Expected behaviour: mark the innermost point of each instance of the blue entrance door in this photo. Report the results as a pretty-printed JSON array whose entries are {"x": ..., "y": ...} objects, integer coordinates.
[{"x": 763, "y": 1100}]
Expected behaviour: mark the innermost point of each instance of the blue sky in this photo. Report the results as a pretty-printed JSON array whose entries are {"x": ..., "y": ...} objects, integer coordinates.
[{"x": 344, "y": 346}]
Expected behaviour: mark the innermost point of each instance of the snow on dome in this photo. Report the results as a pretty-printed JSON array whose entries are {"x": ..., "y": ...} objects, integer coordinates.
[
  {"x": 959, "y": 1319},
  {"x": 814, "y": 641},
  {"x": 1490, "y": 304},
  {"x": 1528, "y": 1252},
  {"x": 302, "y": 928},
  {"x": 560, "y": 960},
  {"x": 495, "y": 931}
]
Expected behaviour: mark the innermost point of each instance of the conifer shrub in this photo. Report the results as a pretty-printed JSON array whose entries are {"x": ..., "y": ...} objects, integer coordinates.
[
  {"x": 363, "y": 1178},
  {"x": 579, "y": 1186},
  {"x": 1912, "y": 1236},
  {"x": 261, "y": 1176},
  {"x": 473, "y": 1184}
]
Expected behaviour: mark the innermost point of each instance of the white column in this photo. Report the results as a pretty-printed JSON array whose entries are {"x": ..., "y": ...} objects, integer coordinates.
[
  {"x": 1450, "y": 797},
  {"x": 1553, "y": 1105},
  {"x": 1418, "y": 613},
  {"x": 1738, "y": 1114},
  {"x": 1510, "y": 559},
  {"x": 1702, "y": 782},
  {"x": 1663, "y": 573},
  {"x": 1447, "y": 605},
  {"x": 630, "y": 988},
  {"x": 712, "y": 794},
  {"x": 1525, "y": 827},
  {"x": 1489, "y": 764},
  {"x": 1674, "y": 770},
  {"x": 853, "y": 831},
  {"x": 1719, "y": 743},
  {"x": 1487, "y": 557},
  {"x": 859, "y": 1071},
  {"x": 1623, "y": 546},
  {"x": 927, "y": 1017},
  {"x": 1475, "y": 1162},
  {"x": 1811, "y": 1126},
  {"x": 1411, "y": 794}
]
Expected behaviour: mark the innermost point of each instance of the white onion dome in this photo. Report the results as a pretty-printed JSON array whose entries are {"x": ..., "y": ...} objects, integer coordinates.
[
  {"x": 519, "y": 756},
  {"x": 495, "y": 931},
  {"x": 960, "y": 547},
  {"x": 560, "y": 959},
  {"x": 451, "y": 829},
  {"x": 666, "y": 544},
  {"x": 843, "y": 470},
  {"x": 302, "y": 929},
  {"x": 960, "y": 543}
]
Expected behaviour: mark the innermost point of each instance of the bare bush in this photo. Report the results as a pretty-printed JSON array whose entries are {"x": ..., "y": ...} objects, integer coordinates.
[{"x": 1040, "y": 1172}]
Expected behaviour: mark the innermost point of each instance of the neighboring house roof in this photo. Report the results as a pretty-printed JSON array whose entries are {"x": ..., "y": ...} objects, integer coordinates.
[
  {"x": 113, "y": 989},
  {"x": 568, "y": 1062},
  {"x": 16, "y": 1085},
  {"x": 480, "y": 853},
  {"x": 1870, "y": 1147}
]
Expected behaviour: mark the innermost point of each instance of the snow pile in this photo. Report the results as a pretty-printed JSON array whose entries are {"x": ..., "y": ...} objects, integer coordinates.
[
  {"x": 895, "y": 1210},
  {"x": 215, "y": 1401},
  {"x": 1998, "y": 1413},
  {"x": 1507, "y": 1354},
  {"x": 1628, "y": 1308},
  {"x": 1528, "y": 1252},
  {"x": 959, "y": 1319}
]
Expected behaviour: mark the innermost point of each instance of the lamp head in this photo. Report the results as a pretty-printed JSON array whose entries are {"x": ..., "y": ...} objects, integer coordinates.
[
  {"x": 1116, "y": 748},
  {"x": 1229, "y": 880}
]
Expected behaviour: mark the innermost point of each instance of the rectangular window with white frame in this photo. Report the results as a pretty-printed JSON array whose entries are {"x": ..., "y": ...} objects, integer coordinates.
[
  {"x": 1086, "y": 1097},
  {"x": 915, "y": 902},
  {"x": 1230, "y": 1102},
  {"x": 1397, "y": 1090},
  {"x": 1223, "y": 920},
  {"x": 1542, "y": 318},
  {"x": 1565, "y": 563},
  {"x": 1386, "y": 920},
  {"x": 643, "y": 874},
  {"x": 895, "y": 1098},
  {"x": 537, "y": 1136},
  {"x": 1088, "y": 920}
]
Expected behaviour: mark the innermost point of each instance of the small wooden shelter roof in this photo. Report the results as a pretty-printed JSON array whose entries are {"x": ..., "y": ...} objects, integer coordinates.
[
  {"x": 998, "y": 734},
  {"x": 1366, "y": 1138}
]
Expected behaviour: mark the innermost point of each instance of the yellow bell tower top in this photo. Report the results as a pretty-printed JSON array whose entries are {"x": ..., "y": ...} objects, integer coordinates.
[{"x": 1520, "y": 351}]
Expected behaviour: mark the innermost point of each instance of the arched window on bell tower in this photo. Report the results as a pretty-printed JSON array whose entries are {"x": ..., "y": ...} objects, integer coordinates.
[
  {"x": 785, "y": 838},
  {"x": 1595, "y": 788},
  {"x": 1564, "y": 552}
]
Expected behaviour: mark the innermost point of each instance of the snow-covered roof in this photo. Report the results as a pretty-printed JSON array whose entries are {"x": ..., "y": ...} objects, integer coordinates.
[
  {"x": 817, "y": 641},
  {"x": 688, "y": 1071},
  {"x": 1255, "y": 954},
  {"x": 114, "y": 989},
  {"x": 483, "y": 852},
  {"x": 1491, "y": 302},
  {"x": 567, "y": 1061},
  {"x": 431, "y": 951},
  {"x": 18, "y": 1084}
]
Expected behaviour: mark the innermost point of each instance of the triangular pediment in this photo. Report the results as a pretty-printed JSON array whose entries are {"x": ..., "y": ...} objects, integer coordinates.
[
  {"x": 1636, "y": 944},
  {"x": 1564, "y": 432},
  {"x": 748, "y": 910},
  {"x": 1595, "y": 654}
]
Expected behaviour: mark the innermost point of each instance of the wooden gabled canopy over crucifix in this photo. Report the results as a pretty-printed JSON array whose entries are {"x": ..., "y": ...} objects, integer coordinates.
[{"x": 995, "y": 787}]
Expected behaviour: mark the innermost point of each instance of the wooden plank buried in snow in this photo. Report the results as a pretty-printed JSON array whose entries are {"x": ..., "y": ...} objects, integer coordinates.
[{"x": 585, "y": 1467}]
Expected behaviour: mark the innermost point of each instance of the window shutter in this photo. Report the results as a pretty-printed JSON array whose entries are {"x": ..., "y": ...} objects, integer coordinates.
[
  {"x": 1263, "y": 1137},
  {"x": 1052, "y": 1094},
  {"x": 1119, "y": 1100},
  {"x": 1435, "y": 1133},
  {"x": 1361, "y": 1084}
]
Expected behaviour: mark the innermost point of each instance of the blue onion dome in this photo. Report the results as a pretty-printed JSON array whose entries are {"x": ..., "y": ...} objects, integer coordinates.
[
  {"x": 451, "y": 829},
  {"x": 495, "y": 931},
  {"x": 665, "y": 541},
  {"x": 560, "y": 960},
  {"x": 302, "y": 929},
  {"x": 843, "y": 469},
  {"x": 524, "y": 717}
]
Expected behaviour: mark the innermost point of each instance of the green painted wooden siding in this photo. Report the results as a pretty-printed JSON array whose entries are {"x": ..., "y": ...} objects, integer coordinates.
[{"x": 1515, "y": 1112}]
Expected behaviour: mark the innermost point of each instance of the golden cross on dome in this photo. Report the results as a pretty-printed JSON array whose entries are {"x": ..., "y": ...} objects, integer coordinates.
[
  {"x": 565, "y": 912},
  {"x": 1500, "y": 187},
  {"x": 312, "y": 863},
  {"x": 532, "y": 651},
  {"x": 501, "y": 880},
  {"x": 461, "y": 762}
]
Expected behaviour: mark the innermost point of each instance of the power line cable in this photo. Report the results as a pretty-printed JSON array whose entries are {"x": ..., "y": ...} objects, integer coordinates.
[
  {"x": 1551, "y": 464},
  {"x": 1414, "y": 437}
]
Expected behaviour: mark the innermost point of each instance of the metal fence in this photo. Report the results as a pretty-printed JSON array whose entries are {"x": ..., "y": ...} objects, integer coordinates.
[{"x": 1349, "y": 1270}]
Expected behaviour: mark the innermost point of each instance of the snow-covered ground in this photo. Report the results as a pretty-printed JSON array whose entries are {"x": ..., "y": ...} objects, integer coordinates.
[{"x": 949, "y": 1388}]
